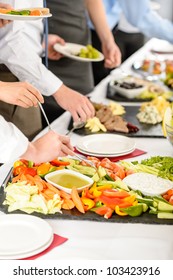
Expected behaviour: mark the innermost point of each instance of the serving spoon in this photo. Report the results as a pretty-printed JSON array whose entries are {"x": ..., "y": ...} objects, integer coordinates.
[{"x": 76, "y": 125}]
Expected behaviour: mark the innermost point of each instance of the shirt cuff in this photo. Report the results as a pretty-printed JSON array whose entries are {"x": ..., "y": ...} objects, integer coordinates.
[{"x": 51, "y": 83}]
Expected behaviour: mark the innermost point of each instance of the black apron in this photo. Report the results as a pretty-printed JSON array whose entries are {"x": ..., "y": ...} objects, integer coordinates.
[
  {"x": 27, "y": 120},
  {"x": 69, "y": 22}
]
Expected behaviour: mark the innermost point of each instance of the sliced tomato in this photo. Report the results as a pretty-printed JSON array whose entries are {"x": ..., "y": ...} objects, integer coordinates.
[
  {"x": 170, "y": 192},
  {"x": 31, "y": 171},
  {"x": 114, "y": 193},
  {"x": 121, "y": 173},
  {"x": 171, "y": 200},
  {"x": 57, "y": 162},
  {"x": 24, "y": 170},
  {"x": 104, "y": 211},
  {"x": 125, "y": 204},
  {"x": 109, "y": 201},
  {"x": 19, "y": 170},
  {"x": 166, "y": 197},
  {"x": 25, "y": 162}
]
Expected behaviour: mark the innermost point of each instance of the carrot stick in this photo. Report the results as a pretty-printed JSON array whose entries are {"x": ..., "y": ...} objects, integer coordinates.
[
  {"x": 70, "y": 203},
  {"x": 65, "y": 195},
  {"x": 39, "y": 184},
  {"x": 77, "y": 201},
  {"x": 65, "y": 206},
  {"x": 16, "y": 178},
  {"x": 45, "y": 196},
  {"x": 49, "y": 193},
  {"x": 30, "y": 179},
  {"x": 23, "y": 178},
  {"x": 52, "y": 188}
]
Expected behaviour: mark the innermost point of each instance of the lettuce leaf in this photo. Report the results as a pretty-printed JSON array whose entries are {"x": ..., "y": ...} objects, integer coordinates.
[{"x": 24, "y": 197}]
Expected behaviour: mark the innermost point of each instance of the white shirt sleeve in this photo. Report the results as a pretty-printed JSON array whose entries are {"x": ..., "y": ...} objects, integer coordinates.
[
  {"x": 21, "y": 50},
  {"x": 12, "y": 142}
]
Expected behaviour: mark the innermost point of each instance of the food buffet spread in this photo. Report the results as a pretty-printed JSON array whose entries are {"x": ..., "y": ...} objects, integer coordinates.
[{"x": 132, "y": 195}]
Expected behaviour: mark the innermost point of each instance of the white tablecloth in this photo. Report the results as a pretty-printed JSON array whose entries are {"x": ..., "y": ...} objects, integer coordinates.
[{"x": 104, "y": 240}]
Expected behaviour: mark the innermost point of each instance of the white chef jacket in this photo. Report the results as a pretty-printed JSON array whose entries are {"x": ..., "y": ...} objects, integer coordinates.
[
  {"x": 21, "y": 50},
  {"x": 13, "y": 143}
]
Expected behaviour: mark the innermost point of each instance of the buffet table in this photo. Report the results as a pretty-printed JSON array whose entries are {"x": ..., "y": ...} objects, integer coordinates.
[{"x": 104, "y": 240}]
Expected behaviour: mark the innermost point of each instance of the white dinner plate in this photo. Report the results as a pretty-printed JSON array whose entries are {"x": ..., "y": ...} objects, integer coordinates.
[
  {"x": 28, "y": 254},
  {"x": 163, "y": 47},
  {"x": 71, "y": 50},
  {"x": 18, "y": 17},
  {"x": 106, "y": 155},
  {"x": 23, "y": 235},
  {"x": 106, "y": 144}
]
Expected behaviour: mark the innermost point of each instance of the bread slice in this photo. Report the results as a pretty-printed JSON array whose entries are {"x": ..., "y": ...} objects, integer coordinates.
[{"x": 44, "y": 11}]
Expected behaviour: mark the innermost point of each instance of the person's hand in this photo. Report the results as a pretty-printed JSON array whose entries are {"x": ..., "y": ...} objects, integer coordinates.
[
  {"x": 20, "y": 93},
  {"x": 3, "y": 22},
  {"x": 66, "y": 147},
  {"x": 78, "y": 105},
  {"x": 112, "y": 54},
  {"x": 48, "y": 147},
  {"x": 52, "y": 40}
]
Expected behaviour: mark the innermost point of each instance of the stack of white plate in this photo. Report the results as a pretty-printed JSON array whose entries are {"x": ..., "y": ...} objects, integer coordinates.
[
  {"x": 23, "y": 236},
  {"x": 106, "y": 145}
]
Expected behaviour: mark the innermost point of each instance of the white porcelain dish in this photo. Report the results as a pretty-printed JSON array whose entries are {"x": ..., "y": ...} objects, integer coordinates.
[
  {"x": 71, "y": 50},
  {"x": 28, "y": 254},
  {"x": 163, "y": 48},
  {"x": 25, "y": 18},
  {"x": 148, "y": 184},
  {"x": 66, "y": 177},
  {"x": 106, "y": 144},
  {"x": 128, "y": 93},
  {"x": 106, "y": 155},
  {"x": 23, "y": 235}
]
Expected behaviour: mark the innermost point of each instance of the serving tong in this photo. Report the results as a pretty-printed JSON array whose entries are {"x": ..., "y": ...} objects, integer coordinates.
[
  {"x": 45, "y": 116},
  {"x": 87, "y": 161},
  {"x": 7, "y": 178}
]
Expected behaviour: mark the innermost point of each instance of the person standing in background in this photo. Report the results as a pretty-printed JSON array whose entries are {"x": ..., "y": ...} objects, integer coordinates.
[
  {"x": 128, "y": 37},
  {"x": 140, "y": 15},
  {"x": 70, "y": 23}
]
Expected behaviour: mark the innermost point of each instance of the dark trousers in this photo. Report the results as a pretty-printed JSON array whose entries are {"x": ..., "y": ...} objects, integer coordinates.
[{"x": 129, "y": 43}]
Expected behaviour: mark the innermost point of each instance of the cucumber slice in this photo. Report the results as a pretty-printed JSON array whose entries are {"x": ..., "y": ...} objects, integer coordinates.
[{"x": 165, "y": 215}]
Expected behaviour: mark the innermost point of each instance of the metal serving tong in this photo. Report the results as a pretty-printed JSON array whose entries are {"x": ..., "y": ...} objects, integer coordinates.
[
  {"x": 7, "y": 178},
  {"x": 89, "y": 162},
  {"x": 45, "y": 116}
]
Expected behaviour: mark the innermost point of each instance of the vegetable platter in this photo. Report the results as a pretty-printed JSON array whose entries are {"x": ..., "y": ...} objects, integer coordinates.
[{"x": 109, "y": 199}]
